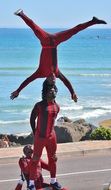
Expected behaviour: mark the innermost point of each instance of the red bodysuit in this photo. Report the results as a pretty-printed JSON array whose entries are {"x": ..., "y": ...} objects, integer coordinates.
[
  {"x": 48, "y": 58},
  {"x": 25, "y": 163},
  {"x": 46, "y": 113}
]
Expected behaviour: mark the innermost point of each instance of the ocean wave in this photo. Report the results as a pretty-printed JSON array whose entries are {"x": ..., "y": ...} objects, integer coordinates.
[
  {"x": 93, "y": 114},
  {"x": 24, "y": 97},
  {"x": 9, "y": 110},
  {"x": 70, "y": 69},
  {"x": 85, "y": 68},
  {"x": 107, "y": 85},
  {"x": 16, "y": 68},
  {"x": 16, "y": 111},
  {"x": 89, "y": 74},
  {"x": 71, "y": 108},
  {"x": 23, "y": 134},
  {"x": 95, "y": 74},
  {"x": 97, "y": 108},
  {"x": 68, "y": 74},
  {"x": 14, "y": 122},
  {"x": 62, "y": 108},
  {"x": 66, "y": 108}
]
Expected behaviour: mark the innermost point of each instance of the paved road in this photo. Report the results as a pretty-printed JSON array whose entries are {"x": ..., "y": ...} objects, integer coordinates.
[{"x": 75, "y": 172}]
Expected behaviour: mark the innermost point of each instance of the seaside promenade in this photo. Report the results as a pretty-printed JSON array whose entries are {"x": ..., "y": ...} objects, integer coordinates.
[
  {"x": 78, "y": 148},
  {"x": 80, "y": 165}
]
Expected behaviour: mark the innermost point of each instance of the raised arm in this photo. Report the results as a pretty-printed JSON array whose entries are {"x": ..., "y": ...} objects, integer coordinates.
[{"x": 68, "y": 85}]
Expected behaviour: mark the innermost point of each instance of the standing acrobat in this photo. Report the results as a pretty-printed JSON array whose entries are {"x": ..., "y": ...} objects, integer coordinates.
[
  {"x": 42, "y": 120},
  {"x": 48, "y": 59}
]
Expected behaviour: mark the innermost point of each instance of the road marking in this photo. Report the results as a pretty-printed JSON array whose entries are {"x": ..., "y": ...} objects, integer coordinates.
[
  {"x": 105, "y": 184},
  {"x": 84, "y": 172},
  {"x": 65, "y": 174},
  {"x": 8, "y": 164},
  {"x": 8, "y": 180}
]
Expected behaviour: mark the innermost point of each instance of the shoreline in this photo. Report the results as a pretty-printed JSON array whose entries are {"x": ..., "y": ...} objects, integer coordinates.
[{"x": 105, "y": 122}]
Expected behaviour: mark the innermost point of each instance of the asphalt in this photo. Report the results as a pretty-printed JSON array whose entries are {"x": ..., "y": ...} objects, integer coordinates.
[{"x": 77, "y": 148}]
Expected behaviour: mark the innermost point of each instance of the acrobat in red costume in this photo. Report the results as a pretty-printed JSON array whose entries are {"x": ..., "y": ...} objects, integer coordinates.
[
  {"x": 48, "y": 58},
  {"x": 24, "y": 164}
]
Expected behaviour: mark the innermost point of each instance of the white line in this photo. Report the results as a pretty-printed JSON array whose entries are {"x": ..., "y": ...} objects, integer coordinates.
[
  {"x": 8, "y": 180},
  {"x": 85, "y": 172},
  {"x": 105, "y": 184},
  {"x": 8, "y": 164},
  {"x": 66, "y": 174}
]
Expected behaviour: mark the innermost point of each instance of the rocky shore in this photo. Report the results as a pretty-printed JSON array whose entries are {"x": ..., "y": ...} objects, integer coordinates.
[{"x": 66, "y": 131}]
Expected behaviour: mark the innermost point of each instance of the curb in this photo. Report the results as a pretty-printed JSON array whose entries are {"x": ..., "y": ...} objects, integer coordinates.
[{"x": 76, "y": 149}]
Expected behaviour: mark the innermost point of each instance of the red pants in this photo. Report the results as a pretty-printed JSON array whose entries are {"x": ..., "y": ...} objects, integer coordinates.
[
  {"x": 50, "y": 144},
  {"x": 52, "y": 40},
  {"x": 48, "y": 58}
]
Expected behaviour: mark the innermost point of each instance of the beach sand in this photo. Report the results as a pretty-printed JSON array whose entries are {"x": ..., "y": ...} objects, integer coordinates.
[{"x": 105, "y": 123}]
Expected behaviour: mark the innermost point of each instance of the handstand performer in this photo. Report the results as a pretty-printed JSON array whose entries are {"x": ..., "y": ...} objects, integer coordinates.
[{"x": 48, "y": 58}]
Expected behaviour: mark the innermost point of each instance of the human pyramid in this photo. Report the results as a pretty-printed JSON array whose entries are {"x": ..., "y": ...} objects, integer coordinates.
[{"x": 44, "y": 113}]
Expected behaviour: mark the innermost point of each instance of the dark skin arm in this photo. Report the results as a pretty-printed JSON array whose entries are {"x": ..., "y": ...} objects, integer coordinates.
[
  {"x": 68, "y": 85},
  {"x": 33, "y": 117},
  {"x": 15, "y": 94}
]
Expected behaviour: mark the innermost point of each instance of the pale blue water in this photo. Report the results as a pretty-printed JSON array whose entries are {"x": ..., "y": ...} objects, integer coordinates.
[{"x": 85, "y": 59}]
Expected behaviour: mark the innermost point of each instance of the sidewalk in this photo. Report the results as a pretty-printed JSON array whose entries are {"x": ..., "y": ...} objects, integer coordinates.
[{"x": 78, "y": 148}]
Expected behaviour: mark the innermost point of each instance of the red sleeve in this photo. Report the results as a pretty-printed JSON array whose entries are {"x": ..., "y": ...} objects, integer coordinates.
[
  {"x": 31, "y": 78},
  {"x": 67, "y": 83}
]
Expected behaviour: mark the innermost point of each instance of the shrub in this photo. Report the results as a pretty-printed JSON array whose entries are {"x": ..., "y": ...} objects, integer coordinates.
[{"x": 101, "y": 133}]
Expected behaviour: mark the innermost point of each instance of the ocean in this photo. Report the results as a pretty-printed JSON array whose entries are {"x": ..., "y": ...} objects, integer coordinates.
[{"x": 86, "y": 61}]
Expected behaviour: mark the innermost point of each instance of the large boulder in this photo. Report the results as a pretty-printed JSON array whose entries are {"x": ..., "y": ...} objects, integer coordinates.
[{"x": 69, "y": 131}]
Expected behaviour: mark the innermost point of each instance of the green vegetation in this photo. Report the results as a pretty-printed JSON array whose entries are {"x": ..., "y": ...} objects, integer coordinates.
[{"x": 101, "y": 133}]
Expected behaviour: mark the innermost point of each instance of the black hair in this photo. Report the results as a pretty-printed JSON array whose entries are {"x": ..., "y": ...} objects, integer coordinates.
[{"x": 46, "y": 86}]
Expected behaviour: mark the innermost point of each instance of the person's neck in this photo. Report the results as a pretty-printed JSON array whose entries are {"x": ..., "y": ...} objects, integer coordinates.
[{"x": 51, "y": 100}]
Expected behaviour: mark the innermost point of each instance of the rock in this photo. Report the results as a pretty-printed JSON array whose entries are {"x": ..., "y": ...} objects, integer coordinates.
[
  {"x": 17, "y": 140},
  {"x": 64, "y": 119},
  {"x": 4, "y": 141},
  {"x": 73, "y": 131},
  {"x": 66, "y": 131}
]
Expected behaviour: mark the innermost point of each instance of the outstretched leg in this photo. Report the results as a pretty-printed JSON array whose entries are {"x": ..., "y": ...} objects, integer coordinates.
[
  {"x": 39, "y": 32},
  {"x": 65, "y": 35}
]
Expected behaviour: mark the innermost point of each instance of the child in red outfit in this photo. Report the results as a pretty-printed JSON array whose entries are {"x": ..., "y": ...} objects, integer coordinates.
[
  {"x": 24, "y": 164},
  {"x": 48, "y": 58}
]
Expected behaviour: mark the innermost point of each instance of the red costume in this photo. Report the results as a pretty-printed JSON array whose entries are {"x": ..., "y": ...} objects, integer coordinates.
[
  {"x": 48, "y": 58},
  {"x": 46, "y": 113},
  {"x": 24, "y": 164}
]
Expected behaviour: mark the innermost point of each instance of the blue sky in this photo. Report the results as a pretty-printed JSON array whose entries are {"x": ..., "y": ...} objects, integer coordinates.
[{"x": 58, "y": 13}]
